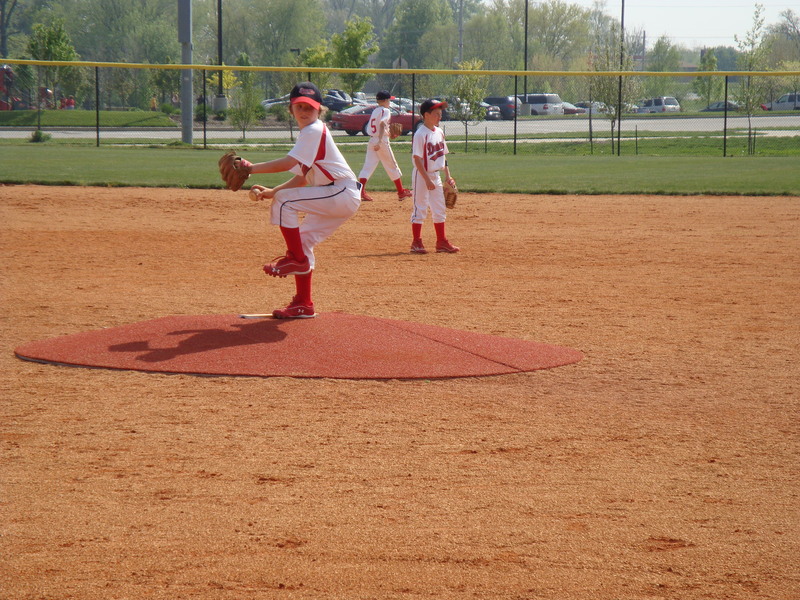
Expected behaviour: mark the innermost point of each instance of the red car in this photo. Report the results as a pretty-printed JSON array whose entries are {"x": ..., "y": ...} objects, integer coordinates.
[{"x": 354, "y": 119}]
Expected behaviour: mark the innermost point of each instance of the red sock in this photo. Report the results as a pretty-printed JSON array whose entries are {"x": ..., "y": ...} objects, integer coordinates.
[
  {"x": 363, "y": 183},
  {"x": 398, "y": 183},
  {"x": 293, "y": 242},
  {"x": 302, "y": 283},
  {"x": 440, "y": 236},
  {"x": 416, "y": 229}
]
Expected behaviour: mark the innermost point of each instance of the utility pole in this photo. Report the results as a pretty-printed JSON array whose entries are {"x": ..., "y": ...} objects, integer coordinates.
[
  {"x": 621, "y": 66},
  {"x": 187, "y": 95}
]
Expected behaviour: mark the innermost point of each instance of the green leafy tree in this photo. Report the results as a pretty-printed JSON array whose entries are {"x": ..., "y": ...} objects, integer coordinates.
[
  {"x": 51, "y": 42},
  {"x": 413, "y": 19},
  {"x": 558, "y": 32},
  {"x": 319, "y": 56},
  {"x": 664, "y": 57},
  {"x": 245, "y": 107},
  {"x": 708, "y": 88},
  {"x": 351, "y": 50}
]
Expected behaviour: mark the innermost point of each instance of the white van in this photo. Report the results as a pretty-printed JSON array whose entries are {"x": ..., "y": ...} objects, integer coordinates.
[{"x": 543, "y": 104}]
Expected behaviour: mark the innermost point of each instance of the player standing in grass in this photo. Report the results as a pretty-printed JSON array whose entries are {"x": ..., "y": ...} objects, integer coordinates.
[
  {"x": 429, "y": 151},
  {"x": 378, "y": 149},
  {"x": 324, "y": 189}
]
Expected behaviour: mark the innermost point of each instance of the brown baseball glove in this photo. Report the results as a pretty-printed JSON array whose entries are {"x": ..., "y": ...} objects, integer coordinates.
[
  {"x": 395, "y": 130},
  {"x": 450, "y": 194},
  {"x": 234, "y": 170}
]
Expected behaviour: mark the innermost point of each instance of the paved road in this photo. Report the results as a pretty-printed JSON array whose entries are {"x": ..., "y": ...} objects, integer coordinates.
[{"x": 527, "y": 127}]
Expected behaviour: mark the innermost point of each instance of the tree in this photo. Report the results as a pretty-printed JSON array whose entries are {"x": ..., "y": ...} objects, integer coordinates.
[
  {"x": 351, "y": 50},
  {"x": 790, "y": 27},
  {"x": 558, "y": 31},
  {"x": 319, "y": 56},
  {"x": 469, "y": 90},
  {"x": 7, "y": 8},
  {"x": 413, "y": 19},
  {"x": 707, "y": 88},
  {"x": 51, "y": 42},
  {"x": 753, "y": 51},
  {"x": 244, "y": 108},
  {"x": 607, "y": 89},
  {"x": 664, "y": 57}
]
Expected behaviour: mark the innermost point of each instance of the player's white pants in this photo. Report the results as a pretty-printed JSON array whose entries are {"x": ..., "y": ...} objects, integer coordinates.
[
  {"x": 325, "y": 208},
  {"x": 383, "y": 155},
  {"x": 425, "y": 199}
]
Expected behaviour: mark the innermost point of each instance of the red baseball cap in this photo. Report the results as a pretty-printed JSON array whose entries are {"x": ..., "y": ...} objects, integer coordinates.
[
  {"x": 430, "y": 104},
  {"x": 306, "y": 92}
]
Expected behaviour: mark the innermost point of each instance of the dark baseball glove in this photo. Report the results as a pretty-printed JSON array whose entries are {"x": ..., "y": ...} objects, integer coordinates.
[
  {"x": 450, "y": 193},
  {"x": 234, "y": 170},
  {"x": 395, "y": 130}
]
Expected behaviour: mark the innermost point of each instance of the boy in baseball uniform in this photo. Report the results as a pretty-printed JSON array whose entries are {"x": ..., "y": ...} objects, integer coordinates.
[
  {"x": 379, "y": 150},
  {"x": 324, "y": 189},
  {"x": 429, "y": 152}
]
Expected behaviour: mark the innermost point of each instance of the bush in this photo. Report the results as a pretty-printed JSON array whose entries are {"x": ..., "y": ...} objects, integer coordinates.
[
  {"x": 168, "y": 109},
  {"x": 40, "y": 136}
]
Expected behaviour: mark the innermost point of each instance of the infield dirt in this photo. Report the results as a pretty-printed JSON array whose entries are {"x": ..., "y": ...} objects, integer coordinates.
[{"x": 664, "y": 465}]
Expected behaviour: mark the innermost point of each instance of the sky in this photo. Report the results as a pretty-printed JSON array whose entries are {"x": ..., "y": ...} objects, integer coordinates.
[{"x": 694, "y": 23}]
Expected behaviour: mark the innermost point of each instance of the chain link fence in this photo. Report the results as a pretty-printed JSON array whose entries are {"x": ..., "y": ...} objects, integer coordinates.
[{"x": 556, "y": 113}]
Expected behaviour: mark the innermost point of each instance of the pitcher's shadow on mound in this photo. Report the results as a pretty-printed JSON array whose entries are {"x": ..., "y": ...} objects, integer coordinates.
[{"x": 203, "y": 340}]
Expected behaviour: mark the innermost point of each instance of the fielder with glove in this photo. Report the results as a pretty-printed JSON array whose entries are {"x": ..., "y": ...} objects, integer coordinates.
[
  {"x": 429, "y": 152},
  {"x": 379, "y": 150}
]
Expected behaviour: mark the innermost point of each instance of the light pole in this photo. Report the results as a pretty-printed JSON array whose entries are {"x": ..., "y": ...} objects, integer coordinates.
[
  {"x": 621, "y": 66},
  {"x": 220, "y": 101}
]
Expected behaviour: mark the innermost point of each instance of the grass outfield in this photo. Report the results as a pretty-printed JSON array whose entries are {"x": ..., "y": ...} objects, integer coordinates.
[{"x": 475, "y": 172}]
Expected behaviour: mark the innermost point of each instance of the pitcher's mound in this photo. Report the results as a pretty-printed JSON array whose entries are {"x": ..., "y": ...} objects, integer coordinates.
[{"x": 335, "y": 345}]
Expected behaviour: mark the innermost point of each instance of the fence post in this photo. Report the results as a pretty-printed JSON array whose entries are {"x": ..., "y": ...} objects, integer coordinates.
[
  {"x": 725, "y": 122},
  {"x": 516, "y": 83},
  {"x": 205, "y": 112},
  {"x": 97, "y": 104}
]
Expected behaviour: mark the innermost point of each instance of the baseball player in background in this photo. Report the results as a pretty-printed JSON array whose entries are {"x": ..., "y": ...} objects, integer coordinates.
[
  {"x": 429, "y": 152},
  {"x": 324, "y": 189},
  {"x": 378, "y": 149}
]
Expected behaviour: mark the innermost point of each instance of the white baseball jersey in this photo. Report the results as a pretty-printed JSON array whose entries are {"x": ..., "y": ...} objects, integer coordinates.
[
  {"x": 316, "y": 151},
  {"x": 379, "y": 121},
  {"x": 431, "y": 146},
  {"x": 332, "y": 197}
]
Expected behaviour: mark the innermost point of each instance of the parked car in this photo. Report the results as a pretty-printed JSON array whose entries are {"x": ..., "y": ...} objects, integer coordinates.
[
  {"x": 355, "y": 119},
  {"x": 659, "y": 105},
  {"x": 592, "y": 107},
  {"x": 571, "y": 109},
  {"x": 270, "y": 102},
  {"x": 543, "y": 104},
  {"x": 492, "y": 112},
  {"x": 720, "y": 107},
  {"x": 508, "y": 105},
  {"x": 786, "y": 102},
  {"x": 337, "y": 100}
]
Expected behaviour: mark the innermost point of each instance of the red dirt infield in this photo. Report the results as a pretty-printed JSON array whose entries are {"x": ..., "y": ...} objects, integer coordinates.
[
  {"x": 664, "y": 465},
  {"x": 335, "y": 345}
]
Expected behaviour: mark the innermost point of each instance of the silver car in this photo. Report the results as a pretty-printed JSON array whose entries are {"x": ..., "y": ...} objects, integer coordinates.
[
  {"x": 785, "y": 102},
  {"x": 659, "y": 105}
]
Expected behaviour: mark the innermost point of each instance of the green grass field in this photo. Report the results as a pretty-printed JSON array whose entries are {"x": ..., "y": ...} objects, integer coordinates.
[{"x": 475, "y": 172}]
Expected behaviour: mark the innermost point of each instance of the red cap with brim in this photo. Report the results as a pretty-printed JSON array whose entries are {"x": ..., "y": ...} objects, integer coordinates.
[
  {"x": 306, "y": 100},
  {"x": 429, "y": 105}
]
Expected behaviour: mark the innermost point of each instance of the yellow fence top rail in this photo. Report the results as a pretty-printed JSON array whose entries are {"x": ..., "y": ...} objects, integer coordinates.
[{"x": 301, "y": 69}]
